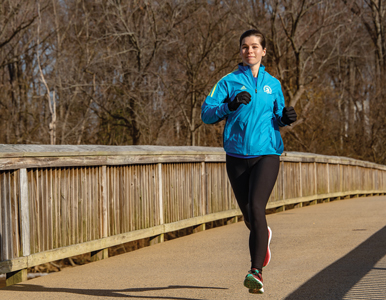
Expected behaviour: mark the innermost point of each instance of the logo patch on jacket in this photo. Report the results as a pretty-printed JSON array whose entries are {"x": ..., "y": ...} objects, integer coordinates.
[
  {"x": 267, "y": 89},
  {"x": 243, "y": 88}
]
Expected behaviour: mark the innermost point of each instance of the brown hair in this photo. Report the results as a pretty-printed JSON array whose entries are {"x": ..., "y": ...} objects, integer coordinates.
[{"x": 254, "y": 32}]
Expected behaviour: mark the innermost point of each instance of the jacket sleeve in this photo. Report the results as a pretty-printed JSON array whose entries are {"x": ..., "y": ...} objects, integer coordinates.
[
  {"x": 215, "y": 108},
  {"x": 279, "y": 105}
]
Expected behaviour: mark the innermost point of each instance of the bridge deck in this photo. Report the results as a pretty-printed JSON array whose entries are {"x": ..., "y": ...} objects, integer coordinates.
[{"x": 327, "y": 251}]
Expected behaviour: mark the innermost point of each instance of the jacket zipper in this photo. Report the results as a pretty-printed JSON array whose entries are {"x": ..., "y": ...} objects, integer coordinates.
[{"x": 248, "y": 146}]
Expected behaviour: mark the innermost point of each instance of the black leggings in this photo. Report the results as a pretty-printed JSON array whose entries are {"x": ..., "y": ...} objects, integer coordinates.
[{"x": 252, "y": 182}]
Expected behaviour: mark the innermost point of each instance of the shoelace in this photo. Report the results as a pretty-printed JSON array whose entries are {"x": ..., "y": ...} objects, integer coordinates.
[{"x": 256, "y": 273}]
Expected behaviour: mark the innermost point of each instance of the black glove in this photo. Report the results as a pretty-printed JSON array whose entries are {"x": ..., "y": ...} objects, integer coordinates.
[
  {"x": 241, "y": 98},
  {"x": 289, "y": 115}
]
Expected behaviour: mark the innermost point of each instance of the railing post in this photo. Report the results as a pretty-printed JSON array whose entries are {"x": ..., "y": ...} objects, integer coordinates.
[
  {"x": 340, "y": 180},
  {"x": 315, "y": 179},
  {"x": 21, "y": 275},
  {"x": 24, "y": 212},
  {"x": 103, "y": 253},
  {"x": 204, "y": 187},
  {"x": 159, "y": 238},
  {"x": 161, "y": 201},
  {"x": 374, "y": 185},
  {"x": 300, "y": 180},
  {"x": 161, "y": 204},
  {"x": 356, "y": 180},
  {"x": 300, "y": 204},
  {"x": 202, "y": 227},
  {"x": 104, "y": 202},
  {"x": 328, "y": 183},
  {"x": 328, "y": 178}
]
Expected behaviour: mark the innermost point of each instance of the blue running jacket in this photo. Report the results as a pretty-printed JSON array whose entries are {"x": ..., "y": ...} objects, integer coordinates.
[{"x": 252, "y": 129}]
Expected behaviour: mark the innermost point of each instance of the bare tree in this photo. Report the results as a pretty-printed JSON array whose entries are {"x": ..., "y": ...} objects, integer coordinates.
[
  {"x": 16, "y": 21},
  {"x": 133, "y": 37},
  {"x": 206, "y": 49},
  {"x": 137, "y": 72}
]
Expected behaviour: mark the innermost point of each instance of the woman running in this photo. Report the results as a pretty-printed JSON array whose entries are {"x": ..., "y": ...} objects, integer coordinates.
[{"x": 252, "y": 103}]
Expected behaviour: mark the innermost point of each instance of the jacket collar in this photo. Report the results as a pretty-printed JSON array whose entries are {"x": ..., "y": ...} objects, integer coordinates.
[{"x": 247, "y": 71}]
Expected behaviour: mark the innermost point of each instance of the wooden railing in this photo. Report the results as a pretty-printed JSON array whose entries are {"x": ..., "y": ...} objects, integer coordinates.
[{"x": 61, "y": 201}]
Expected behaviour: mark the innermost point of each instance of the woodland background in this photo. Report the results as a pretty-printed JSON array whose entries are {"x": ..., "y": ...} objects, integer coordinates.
[{"x": 130, "y": 72}]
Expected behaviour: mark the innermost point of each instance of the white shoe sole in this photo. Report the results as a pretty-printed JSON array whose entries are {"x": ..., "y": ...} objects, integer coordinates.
[{"x": 261, "y": 291}]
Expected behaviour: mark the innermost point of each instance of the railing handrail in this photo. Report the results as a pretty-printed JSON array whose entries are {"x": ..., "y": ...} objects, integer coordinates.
[
  {"x": 100, "y": 150},
  {"x": 100, "y": 153}
]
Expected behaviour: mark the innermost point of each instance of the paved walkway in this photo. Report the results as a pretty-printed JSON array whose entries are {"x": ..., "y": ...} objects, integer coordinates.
[{"x": 327, "y": 251}]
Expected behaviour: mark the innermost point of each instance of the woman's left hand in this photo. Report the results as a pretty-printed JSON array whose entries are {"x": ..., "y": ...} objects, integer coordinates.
[{"x": 289, "y": 115}]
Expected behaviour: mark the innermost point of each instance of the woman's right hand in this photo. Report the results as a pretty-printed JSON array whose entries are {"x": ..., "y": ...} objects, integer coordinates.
[{"x": 241, "y": 98}]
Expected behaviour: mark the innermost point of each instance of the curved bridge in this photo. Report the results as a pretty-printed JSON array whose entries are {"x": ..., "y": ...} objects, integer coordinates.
[{"x": 61, "y": 201}]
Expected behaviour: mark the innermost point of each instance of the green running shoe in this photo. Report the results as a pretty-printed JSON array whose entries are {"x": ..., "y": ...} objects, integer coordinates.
[{"x": 253, "y": 280}]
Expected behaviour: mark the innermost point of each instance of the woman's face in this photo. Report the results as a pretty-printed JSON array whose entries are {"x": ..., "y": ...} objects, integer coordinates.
[{"x": 251, "y": 51}]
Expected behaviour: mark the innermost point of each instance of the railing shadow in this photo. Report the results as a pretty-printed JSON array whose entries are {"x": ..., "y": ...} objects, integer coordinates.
[
  {"x": 335, "y": 281},
  {"x": 121, "y": 293}
]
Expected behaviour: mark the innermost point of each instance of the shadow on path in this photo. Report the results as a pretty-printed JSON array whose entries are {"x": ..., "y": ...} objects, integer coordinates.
[
  {"x": 109, "y": 293},
  {"x": 335, "y": 281}
]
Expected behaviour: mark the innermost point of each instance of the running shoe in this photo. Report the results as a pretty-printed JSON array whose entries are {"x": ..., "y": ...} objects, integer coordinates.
[
  {"x": 253, "y": 281},
  {"x": 268, "y": 255}
]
